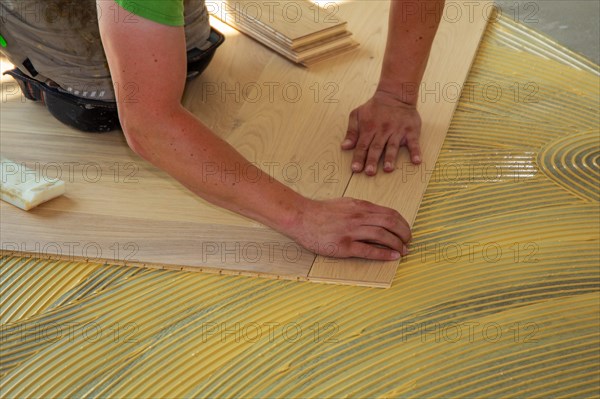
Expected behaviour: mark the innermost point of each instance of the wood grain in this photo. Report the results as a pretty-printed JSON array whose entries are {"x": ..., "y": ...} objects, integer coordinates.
[
  {"x": 117, "y": 205},
  {"x": 300, "y": 30},
  {"x": 153, "y": 243},
  {"x": 299, "y": 22},
  {"x": 288, "y": 120},
  {"x": 453, "y": 51}
]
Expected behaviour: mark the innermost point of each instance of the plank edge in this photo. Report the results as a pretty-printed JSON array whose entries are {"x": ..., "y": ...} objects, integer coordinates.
[{"x": 157, "y": 266}]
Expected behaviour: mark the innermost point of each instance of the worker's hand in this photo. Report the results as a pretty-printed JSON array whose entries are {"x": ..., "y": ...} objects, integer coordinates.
[
  {"x": 380, "y": 127},
  {"x": 347, "y": 227}
]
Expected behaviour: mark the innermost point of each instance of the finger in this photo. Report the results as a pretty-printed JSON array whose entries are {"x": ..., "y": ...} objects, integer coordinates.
[
  {"x": 391, "y": 153},
  {"x": 371, "y": 251},
  {"x": 412, "y": 142},
  {"x": 361, "y": 150},
  {"x": 378, "y": 235},
  {"x": 374, "y": 154},
  {"x": 366, "y": 213},
  {"x": 352, "y": 132},
  {"x": 392, "y": 221}
]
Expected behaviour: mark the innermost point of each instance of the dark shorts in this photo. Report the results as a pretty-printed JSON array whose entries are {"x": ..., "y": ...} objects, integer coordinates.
[{"x": 100, "y": 116}]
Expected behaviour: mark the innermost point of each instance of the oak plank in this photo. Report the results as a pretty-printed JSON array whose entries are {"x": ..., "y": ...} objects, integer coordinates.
[
  {"x": 48, "y": 233},
  {"x": 301, "y": 31},
  {"x": 452, "y": 54},
  {"x": 294, "y": 23}
]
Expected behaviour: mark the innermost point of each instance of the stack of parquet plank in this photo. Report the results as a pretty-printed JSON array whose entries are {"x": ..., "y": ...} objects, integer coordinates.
[{"x": 301, "y": 31}]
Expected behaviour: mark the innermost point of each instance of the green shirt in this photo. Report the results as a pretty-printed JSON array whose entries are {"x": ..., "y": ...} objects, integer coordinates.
[{"x": 167, "y": 12}]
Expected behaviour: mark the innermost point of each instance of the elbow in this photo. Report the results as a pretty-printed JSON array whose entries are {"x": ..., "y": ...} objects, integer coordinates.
[
  {"x": 135, "y": 140},
  {"x": 147, "y": 128},
  {"x": 138, "y": 130}
]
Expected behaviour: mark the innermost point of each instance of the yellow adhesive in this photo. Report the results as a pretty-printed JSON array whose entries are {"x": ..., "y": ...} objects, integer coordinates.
[{"x": 507, "y": 237}]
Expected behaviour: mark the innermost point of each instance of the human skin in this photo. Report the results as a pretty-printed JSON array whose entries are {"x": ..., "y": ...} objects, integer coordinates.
[
  {"x": 390, "y": 120},
  {"x": 160, "y": 130}
]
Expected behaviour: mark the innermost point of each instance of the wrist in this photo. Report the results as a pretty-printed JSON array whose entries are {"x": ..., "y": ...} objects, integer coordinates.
[
  {"x": 406, "y": 92},
  {"x": 394, "y": 98},
  {"x": 289, "y": 220}
]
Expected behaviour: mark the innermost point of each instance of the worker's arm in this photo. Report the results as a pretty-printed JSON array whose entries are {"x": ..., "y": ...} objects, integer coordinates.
[
  {"x": 390, "y": 120},
  {"x": 152, "y": 57}
]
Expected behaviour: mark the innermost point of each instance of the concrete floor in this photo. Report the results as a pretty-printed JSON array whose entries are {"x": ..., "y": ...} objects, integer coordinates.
[{"x": 574, "y": 24}]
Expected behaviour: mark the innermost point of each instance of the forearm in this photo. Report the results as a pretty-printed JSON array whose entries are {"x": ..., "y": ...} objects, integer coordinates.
[
  {"x": 211, "y": 168},
  {"x": 412, "y": 28}
]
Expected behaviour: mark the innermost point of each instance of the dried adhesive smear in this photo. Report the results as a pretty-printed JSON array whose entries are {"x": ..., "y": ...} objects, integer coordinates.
[{"x": 499, "y": 296}]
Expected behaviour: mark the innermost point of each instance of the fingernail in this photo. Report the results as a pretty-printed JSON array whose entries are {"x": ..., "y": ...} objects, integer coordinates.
[
  {"x": 347, "y": 142},
  {"x": 370, "y": 169},
  {"x": 356, "y": 166},
  {"x": 395, "y": 255},
  {"x": 388, "y": 165},
  {"x": 417, "y": 159},
  {"x": 404, "y": 251}
]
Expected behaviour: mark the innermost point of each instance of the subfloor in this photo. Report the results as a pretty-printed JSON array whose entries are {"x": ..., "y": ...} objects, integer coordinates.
[{"x": 499, "y": 297}]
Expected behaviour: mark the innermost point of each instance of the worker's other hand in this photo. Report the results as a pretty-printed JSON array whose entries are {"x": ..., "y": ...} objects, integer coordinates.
[
  {"x": 347, "y": 227},
  {"x": 379, "y": 128}
]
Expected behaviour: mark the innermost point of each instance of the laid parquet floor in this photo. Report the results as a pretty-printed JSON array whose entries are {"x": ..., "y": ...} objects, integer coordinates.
[{"x": 289, "y": 120}]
